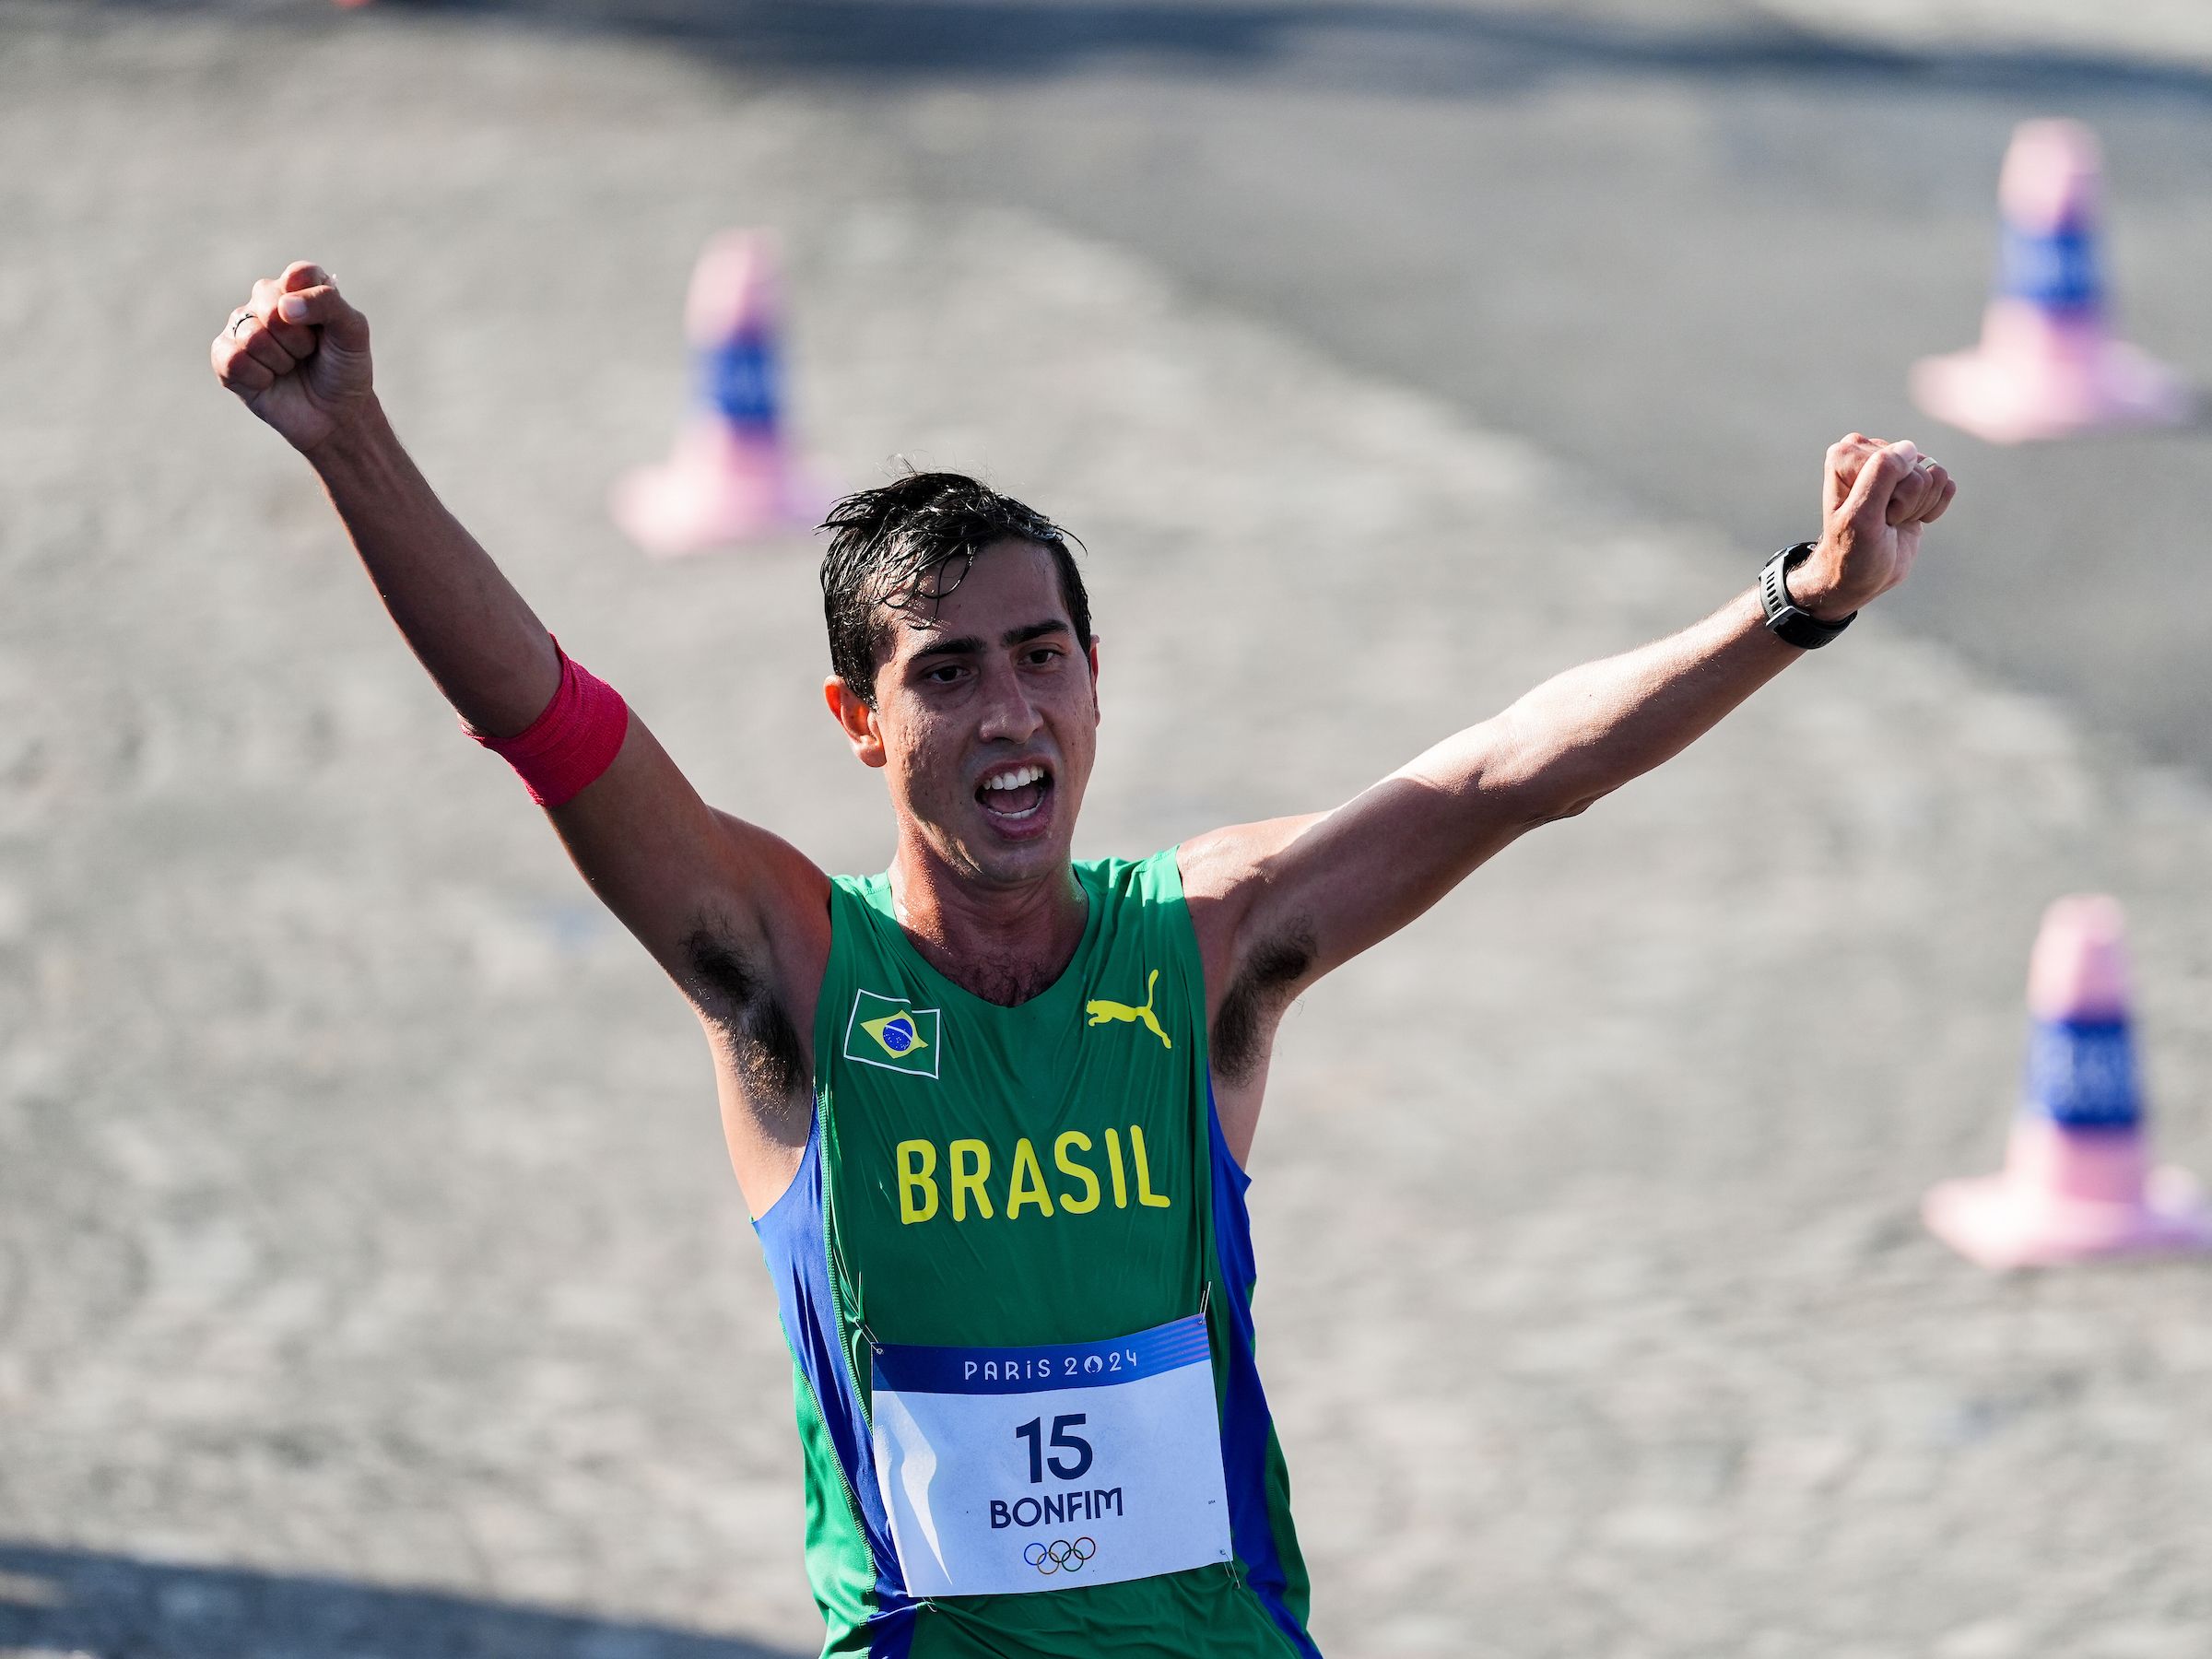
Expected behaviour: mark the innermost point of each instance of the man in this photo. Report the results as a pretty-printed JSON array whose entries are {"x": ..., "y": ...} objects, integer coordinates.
[{"x": 989, "y": 1108}]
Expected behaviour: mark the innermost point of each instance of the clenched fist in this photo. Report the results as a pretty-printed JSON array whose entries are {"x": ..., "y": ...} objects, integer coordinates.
[
  {"x": 297, "y": 355},
  {"x": 1875, "y": 498}
]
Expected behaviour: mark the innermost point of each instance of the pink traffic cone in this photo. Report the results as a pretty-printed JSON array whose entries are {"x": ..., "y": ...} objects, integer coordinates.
[
  {"x": 2048, "y": 365},
  {"x": 2077, "y": 1180},
  {"x": 732, "y": 476}
]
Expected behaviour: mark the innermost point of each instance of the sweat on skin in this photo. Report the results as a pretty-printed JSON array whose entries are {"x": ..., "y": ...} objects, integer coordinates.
[{"x": 983, "y": 718}]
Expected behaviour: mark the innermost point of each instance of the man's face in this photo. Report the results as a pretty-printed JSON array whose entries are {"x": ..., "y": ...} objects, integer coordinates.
[{"x": 986, "y": 718}]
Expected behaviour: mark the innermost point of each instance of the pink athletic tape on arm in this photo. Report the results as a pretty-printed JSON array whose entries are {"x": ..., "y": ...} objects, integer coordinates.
[{"x": 567, "y": 745}]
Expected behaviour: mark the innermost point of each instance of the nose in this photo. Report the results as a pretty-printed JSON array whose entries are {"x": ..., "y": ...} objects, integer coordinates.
[{"x": 1009, "y": 712}]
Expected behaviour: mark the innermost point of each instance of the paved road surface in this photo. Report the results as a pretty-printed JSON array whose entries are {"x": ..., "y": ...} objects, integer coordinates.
[
  {"x": 370, "y": 1281},
  {"x": 1675, "y": 242}
]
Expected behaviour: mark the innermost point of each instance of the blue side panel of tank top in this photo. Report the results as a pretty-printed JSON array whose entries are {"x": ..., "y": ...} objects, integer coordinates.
[
  {"x": 795, "y": 1240},
  {"x": 1246, "y": 1422}
]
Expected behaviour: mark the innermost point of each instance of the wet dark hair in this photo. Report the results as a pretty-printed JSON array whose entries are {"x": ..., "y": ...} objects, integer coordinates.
[{"x": 910, "y": 543}]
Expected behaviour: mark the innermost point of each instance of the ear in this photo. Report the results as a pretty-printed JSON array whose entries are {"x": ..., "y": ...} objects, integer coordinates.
[
  {"x": 857, "y": 718},
  {"x": 1091, "y": 652}
]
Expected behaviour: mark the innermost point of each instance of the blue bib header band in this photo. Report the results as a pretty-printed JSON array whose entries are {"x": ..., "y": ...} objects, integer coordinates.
[{"x": 974, "y": 1370}]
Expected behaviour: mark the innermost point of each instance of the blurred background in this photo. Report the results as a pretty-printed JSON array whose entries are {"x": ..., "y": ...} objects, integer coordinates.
[{"x": 371, "y": 1278}]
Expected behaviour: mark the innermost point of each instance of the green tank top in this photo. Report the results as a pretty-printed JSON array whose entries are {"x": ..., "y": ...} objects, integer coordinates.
[{"x": 1033, "y": 1177}]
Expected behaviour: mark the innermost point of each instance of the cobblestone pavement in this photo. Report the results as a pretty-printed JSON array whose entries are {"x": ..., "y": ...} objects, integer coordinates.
[{"x": 371, "y": 1277}]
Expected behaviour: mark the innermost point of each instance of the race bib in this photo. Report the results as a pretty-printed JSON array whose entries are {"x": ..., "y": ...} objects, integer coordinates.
[{"x": 1008, "y": 1470}]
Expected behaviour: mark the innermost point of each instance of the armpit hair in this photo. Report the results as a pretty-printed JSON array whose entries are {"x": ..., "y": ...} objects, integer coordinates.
[
  {"x": 729, "y": 987},
  {"x": 1266, "y": 984}
]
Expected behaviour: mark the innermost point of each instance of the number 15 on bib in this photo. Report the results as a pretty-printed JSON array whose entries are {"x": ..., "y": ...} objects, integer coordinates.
[{"x": 1013, "y": 1470}]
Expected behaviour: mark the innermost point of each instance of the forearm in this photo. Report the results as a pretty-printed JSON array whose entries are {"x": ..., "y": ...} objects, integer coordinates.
[
  {"x": 467, "y": 624},
  {"x": 1385, "y": 856},
  {"x": 1333, "y": 884},
  {"x": 1584, "y": 734}
]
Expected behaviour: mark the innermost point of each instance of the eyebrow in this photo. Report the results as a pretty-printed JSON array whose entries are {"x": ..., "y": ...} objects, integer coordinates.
[{"x": 969, "y": 644}]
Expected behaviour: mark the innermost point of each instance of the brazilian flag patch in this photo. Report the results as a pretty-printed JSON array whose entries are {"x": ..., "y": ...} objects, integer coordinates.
[{"x": 890, "y": 1032}]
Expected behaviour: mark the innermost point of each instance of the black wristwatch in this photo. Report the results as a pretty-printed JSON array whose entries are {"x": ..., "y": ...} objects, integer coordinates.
[{"x": 1789, "y": 625}]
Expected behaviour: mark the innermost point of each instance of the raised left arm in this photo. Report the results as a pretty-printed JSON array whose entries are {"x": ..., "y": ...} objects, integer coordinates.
[{"x": 1279, "y": 904}]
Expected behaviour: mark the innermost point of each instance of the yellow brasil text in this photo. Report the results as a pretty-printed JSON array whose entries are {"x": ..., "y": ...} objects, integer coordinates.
[{"x": 968, "y": 1174}]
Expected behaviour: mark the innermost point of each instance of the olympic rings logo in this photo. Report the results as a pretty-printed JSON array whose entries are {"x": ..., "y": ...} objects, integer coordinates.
[{"x": 1060, "y": 1555}]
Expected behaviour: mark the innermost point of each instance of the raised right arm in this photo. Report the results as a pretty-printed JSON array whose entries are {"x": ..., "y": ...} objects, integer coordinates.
[{"x": 736, "y": 916}]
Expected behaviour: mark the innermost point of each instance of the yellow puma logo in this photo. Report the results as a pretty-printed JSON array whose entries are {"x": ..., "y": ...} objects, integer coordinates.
[{"x": 1101, "y": 1011}]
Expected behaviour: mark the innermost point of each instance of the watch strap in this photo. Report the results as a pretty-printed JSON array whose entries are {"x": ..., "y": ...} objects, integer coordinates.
[{"x": 1789, "y": 624}]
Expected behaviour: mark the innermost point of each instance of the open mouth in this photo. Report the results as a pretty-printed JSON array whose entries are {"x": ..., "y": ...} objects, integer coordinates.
[{"x": 1012, "y": 795}]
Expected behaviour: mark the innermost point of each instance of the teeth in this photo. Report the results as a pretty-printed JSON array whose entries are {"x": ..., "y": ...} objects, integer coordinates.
[{"x": 1020, "y": 777}]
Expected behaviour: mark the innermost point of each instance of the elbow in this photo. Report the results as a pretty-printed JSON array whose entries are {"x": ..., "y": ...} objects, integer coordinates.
[
  {"x": 1576, "y": 808},
  {"x": 1544, "y": 780},
  {"x": 1556, "y": 806}
]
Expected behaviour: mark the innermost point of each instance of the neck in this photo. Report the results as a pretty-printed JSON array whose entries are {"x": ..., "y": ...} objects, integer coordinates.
[{"x": 1004, "y": 944}]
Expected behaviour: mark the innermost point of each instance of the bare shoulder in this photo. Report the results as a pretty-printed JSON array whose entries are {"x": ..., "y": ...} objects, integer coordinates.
[
  {"x": 1256, "y": 954},
  {"x": 1226, "y": 867},
  {"x": 750, "y": 961},
  {"x": 760, "y": 938},
  {"x": 790, "y": 891}
]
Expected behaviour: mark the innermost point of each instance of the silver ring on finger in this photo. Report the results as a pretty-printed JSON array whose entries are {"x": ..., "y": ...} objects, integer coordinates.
[{"x": 243, "y": 316}]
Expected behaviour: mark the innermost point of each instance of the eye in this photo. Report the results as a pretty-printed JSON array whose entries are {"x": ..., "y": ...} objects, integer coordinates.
[
  {"x": 944, "y": 673},
  {"x": 1038, "y": 655}
]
